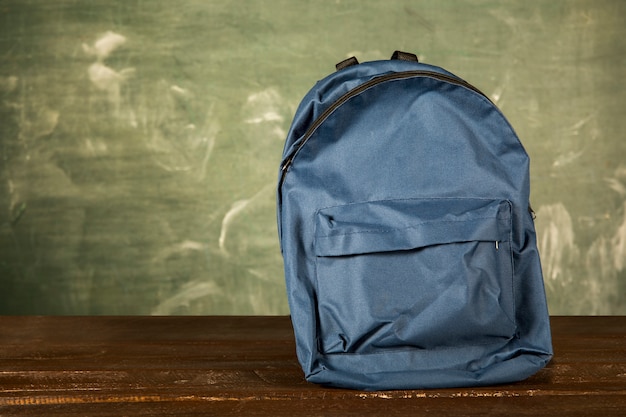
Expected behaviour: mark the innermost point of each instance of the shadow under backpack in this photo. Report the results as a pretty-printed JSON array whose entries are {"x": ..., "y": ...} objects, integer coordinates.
[{"x": 407, "y": 236}]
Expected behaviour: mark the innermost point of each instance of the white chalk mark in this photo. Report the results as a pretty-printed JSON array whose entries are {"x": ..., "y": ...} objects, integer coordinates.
[
  {"x": 269, "y": 116},
  {"x": 260, "y": 274},
  {"x": 561, "y": 259},
  {"x": 103, "y": 77},
  {"x": 211, "y": 133},
  {"x": 263, "y": 107},
  {"x": 180, "y": 248},
  {"x": 47, "y": 121},
  {"x": 575, "y": 128},
  {"x": 190, "y": 292},
  {"x": 191, "y": 245},
  {"x": 105, "y": 45},
  {"x": 106, "y": 78},
  {"x": 497, "y": 93},
  {"x": 95, "y": 148},
  {"x": 619, "y": 244},
  {"x": 109, "y": 81},
  {"x": 179, "y": 90},
  {"x": 236, "y": 208},
  {"x": 567, "y": 158},
  {"x": 279, "y": 132},
  {"x": 556, "y": 240},
  {"x": 210, "y": 144},
  {"x": 171, "y": 168},
  {"x": 616, "y": 185},
  {"x": 371, "y": 55}
]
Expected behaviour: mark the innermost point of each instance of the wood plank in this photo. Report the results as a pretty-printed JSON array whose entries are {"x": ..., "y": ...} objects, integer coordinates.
[{"x": 234, "y": 365}]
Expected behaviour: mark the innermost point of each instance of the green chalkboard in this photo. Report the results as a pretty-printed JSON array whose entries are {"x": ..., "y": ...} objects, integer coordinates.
[{"x": 140, "y": 140}]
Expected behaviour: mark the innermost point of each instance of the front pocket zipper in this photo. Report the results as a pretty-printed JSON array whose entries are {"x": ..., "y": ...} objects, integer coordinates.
[{"x": 417, "y": 273}]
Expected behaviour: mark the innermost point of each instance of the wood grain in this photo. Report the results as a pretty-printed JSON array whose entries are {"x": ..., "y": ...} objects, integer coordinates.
[{"x": 247, "y": 366}]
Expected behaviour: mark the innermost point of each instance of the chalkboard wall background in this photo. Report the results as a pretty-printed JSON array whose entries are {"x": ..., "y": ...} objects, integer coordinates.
[{"x": 140, "y": 140}]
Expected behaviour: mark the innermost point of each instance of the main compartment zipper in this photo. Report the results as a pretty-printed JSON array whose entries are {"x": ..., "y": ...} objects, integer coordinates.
[{"x": 358, "y": 90}]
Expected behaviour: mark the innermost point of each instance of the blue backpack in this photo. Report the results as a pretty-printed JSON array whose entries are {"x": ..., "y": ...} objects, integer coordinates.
[{"x": 407, "y": 236}]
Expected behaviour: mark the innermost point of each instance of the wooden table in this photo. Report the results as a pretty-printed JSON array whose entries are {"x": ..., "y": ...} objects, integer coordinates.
[{"x": 246, "y": 366}]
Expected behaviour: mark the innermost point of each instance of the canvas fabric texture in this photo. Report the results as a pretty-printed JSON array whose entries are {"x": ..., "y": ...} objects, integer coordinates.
[{"x": 408, "y": 241}]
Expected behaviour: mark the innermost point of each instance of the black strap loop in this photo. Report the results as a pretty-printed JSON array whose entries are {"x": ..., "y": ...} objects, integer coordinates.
[
  {"x": 404, "y": 56},
  {"x": 347, "y": 63}
]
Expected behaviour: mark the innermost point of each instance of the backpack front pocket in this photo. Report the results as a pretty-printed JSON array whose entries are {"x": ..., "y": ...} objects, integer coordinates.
[{"x": 414, "y": 273}]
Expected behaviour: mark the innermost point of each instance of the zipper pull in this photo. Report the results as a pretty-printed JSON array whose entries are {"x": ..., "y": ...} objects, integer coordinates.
[
  {"x": 497, "y": 245},
  {"x": 286, "y": 163}
]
